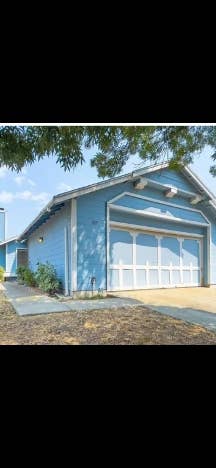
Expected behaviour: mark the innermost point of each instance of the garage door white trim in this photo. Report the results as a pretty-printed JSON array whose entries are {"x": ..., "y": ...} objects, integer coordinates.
[{"x": 170, "y": 269}]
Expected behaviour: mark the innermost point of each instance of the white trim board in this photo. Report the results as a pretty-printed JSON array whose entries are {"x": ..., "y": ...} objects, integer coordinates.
[
  {"x": 155, "y": 200},
  {"x": 73, "y": 245},
  {"x": 137, "y": 227},
  {"x": 150, "y": 214}
]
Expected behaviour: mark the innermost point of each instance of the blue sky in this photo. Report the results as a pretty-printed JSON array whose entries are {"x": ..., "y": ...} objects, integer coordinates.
[{"x": 23, "y": 195}]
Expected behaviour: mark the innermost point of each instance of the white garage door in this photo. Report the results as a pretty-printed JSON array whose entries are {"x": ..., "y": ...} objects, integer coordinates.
[{"x": 141, "y": 260}]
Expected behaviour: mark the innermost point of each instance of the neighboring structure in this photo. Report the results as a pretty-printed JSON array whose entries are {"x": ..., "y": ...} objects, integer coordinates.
[
  {"x": 152, "y": 228},
  {"x": 12, "y": 252}
]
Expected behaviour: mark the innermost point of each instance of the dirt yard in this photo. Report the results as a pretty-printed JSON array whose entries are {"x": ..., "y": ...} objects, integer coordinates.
[{"x": 134, "y": 326}]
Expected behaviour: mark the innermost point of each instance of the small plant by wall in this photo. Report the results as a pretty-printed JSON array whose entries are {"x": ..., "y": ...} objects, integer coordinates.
[
  {"x": 25, "y": 276},
  {"x": 46, "y": 278},
  {"x": 2, "y": 272},
  {"x": 20, "y": 274}
]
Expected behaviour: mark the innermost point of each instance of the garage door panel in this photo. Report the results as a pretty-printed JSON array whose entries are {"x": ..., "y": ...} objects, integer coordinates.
[
  {"x": 143, "y": 260},
  {"x": 190, "y": 252},
  {"x": 153, "y": 278},
  {"x": 114, "y": 279},
  {"x": 141, "y": 280},
  {"x": 186, "y": 277},
  {"x": 165, "y": 277},
  {"x": 146, "y": 250},
  {"x": 121, "y": 251},
  {"x": 176, "y": 277},
  {"x": 127, "y": 279},
  {"x": 170, "y": 251}
]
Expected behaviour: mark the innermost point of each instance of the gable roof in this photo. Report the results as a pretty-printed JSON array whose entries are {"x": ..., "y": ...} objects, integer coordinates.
[
  {"x": 10, "y": 239},
  {"x": 58, "y": 201}
]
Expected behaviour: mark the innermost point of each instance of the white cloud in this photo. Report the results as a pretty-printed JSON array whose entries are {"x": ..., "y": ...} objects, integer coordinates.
[
  {"x": 22, "y": 179},
  {"x": 8, "y": 197},
  {"x": 42, "y": 197},
  {"x": 62, "y": 187},
  {"x": 3, "y": 172},
  {"x": 19, "y": 179},
  {"x": 26, "y": 195}
]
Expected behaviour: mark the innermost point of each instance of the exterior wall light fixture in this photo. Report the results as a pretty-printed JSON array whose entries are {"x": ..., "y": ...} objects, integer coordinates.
[{"x": 40, "y": 239}]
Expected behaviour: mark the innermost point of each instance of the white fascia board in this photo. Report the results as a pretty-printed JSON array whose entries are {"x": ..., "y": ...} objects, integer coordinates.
[
  {"x": 46, "y": 208},
  {"x": 108, "y": 183},
  {"x": 191, "y": 175}
]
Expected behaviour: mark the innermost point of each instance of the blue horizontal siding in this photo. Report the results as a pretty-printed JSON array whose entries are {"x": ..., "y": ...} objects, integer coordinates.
[
  {"x": 170, "y": 177},
  {"x": 52, "y": 249}
]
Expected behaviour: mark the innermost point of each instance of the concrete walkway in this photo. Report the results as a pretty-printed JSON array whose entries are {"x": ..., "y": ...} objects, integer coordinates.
[{"x": 27, "y": 301}]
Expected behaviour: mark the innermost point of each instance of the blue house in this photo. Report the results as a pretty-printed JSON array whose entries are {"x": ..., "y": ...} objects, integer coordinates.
[
  {"x": 152, "y": 228},
  {"x": 12, "y": 252}
]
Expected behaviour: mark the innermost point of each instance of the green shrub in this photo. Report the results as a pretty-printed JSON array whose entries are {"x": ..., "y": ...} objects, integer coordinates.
[
  {"x": 20, "y": 274},
  {"x": 46, "y": 277},
  {"x": 25, "y": 276},
  {"x": 29, "y": 277},
  {"x": 2, "y": 271}
]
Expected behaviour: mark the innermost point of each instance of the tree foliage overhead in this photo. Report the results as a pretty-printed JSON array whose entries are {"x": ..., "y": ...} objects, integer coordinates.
[{"x": 21, "y": 145}]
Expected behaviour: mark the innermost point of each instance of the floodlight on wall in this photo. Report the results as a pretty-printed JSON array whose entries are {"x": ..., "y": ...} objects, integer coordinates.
[{"x": 40, "y": 239}]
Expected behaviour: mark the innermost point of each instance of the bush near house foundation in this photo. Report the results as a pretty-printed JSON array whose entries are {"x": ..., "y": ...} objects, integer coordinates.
[
  {"x": 46, "y": 277},
  {"x": 26, "y": 276},
  {"x": 20, "y": 274}
]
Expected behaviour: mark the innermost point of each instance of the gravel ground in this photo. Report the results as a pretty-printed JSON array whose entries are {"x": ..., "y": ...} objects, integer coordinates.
[{"x": 133, "y": 326}]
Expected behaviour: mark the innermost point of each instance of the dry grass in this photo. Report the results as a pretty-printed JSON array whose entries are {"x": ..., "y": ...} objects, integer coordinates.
[{"x": 136, "y": 326}]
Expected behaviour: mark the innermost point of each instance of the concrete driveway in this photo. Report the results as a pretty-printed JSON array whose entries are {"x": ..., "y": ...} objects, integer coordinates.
[{"x": 194, "y": 305}]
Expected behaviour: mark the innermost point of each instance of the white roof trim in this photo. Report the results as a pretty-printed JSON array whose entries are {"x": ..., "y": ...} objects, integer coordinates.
[
  {"x": 66, "y": 196},
  {"x": 6, "y": 241},
  {"x": 107, "y": 183},
  {"x": 198, "y": 181}
]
